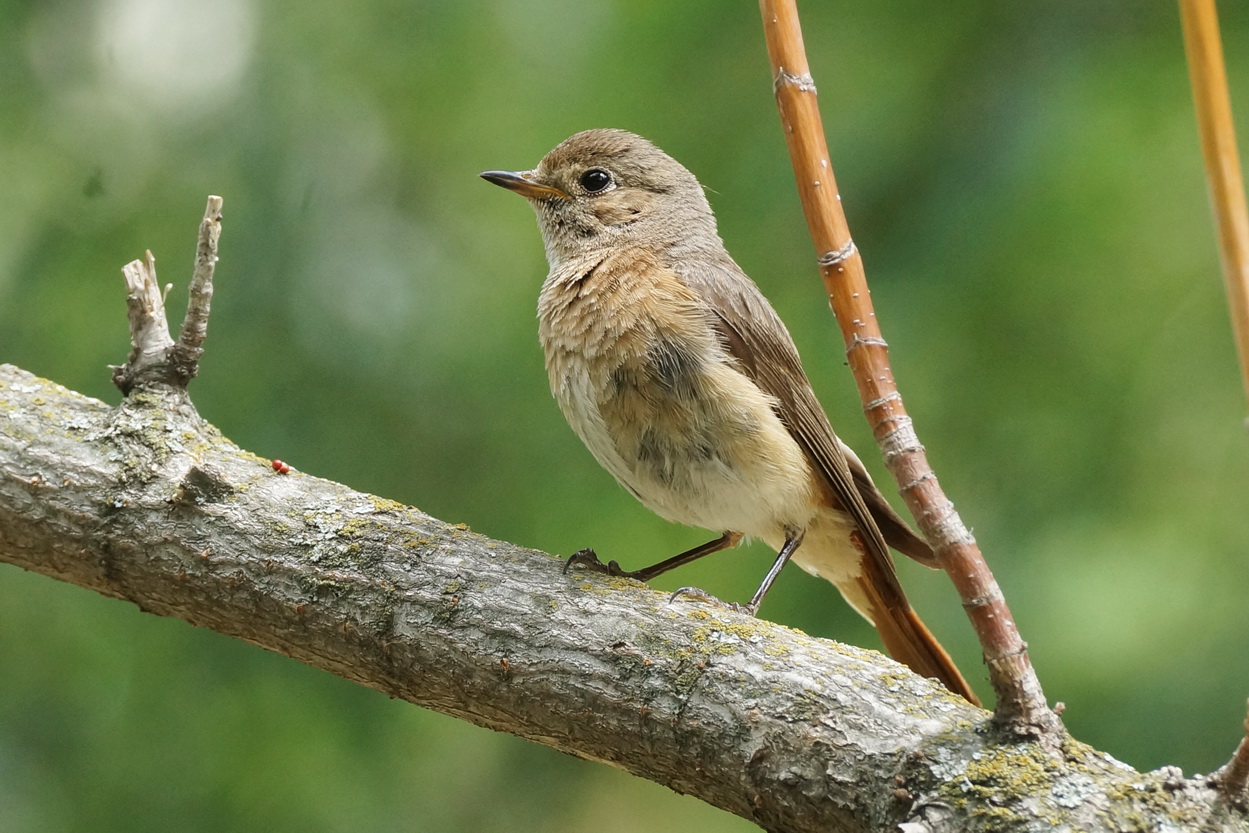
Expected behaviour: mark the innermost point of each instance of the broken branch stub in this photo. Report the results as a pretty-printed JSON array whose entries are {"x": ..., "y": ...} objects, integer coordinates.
[{"x": 155, "y": 358}]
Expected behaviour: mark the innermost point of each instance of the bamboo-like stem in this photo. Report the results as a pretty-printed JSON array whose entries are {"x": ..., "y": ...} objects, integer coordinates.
[
  {"x": 1218, "y": 145},
  {"x": 1208, "y": 73},
  {"x": 1020, "y": 703}
]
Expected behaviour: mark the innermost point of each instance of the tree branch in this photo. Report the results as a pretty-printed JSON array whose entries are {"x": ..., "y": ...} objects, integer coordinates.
[{"x": 147, "y": 502}]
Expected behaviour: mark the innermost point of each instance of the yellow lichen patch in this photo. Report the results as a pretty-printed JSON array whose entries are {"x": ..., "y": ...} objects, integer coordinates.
[
  {"x": 382, "y": 504},
  {"x": 354, "y": 527},
  {"x": 248, "y": 456},
  {"x": 1003, "y": 770}
]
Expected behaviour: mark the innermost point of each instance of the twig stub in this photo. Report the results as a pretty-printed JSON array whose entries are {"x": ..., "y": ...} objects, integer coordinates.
[
  {"x": 1233, "y": 778},
  {"x": 149, "y": 332},
  {"x": 154, "y": 356},
  {"x": 186, "y": 352}
]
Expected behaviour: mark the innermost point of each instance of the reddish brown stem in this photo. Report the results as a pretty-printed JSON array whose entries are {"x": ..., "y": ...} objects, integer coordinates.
[
  {"x": 1020, "y": 701},
  {"x": 1218, "y": 146}
]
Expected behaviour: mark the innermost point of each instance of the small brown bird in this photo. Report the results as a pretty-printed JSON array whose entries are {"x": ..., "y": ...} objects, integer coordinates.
[{"x": 683, "y": 383}]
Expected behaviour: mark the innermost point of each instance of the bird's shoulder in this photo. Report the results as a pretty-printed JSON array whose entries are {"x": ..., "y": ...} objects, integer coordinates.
[{"x": 748, "y": 326}]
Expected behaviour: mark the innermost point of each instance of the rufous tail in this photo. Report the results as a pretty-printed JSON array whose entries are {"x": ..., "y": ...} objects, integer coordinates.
[{"x": 908, "y": 640}]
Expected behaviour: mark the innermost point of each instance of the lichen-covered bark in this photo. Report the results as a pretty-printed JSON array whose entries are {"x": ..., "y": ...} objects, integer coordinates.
[{"x": 148, "y": 503}]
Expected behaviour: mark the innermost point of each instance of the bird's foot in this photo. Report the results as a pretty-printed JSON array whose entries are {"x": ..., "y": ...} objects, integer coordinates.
[
  {"x": 703, "y": 595},
  {"x": 588, "y": 558}
]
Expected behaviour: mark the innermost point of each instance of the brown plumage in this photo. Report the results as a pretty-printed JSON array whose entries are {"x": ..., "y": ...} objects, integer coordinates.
[{"x": 683, "y": 383}]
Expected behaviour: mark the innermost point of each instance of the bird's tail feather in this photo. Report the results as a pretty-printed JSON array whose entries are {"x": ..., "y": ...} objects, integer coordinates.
[{"x": 908, "y": 640}]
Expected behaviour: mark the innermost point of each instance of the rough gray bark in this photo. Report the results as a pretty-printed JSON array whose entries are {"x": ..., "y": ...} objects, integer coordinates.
[{"x": 147, "y": 502}]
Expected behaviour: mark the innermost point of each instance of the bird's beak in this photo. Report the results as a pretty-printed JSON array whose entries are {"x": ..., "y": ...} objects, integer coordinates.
[{"x": 523, "y": 183}]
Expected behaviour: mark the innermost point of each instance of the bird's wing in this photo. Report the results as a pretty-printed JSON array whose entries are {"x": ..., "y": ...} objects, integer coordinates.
[{"x": 754, "y": 335}]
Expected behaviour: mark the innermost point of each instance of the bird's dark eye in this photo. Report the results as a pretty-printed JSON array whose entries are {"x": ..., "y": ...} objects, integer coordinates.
[{"x": 595, "y": 180}]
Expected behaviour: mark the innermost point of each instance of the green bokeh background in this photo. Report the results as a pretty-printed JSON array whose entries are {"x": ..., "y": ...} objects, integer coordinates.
[{"x": 1025, "y": 183}]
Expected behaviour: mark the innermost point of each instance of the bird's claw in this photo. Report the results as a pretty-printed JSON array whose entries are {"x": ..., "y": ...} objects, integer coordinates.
[{"x": 588, "y": 558}]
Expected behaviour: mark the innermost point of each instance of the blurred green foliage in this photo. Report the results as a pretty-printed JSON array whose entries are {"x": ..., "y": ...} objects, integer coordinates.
[{"x": 1024, "y": 180}]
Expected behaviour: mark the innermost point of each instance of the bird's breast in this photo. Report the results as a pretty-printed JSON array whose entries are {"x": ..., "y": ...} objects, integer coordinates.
[{"x": 642, "y": 378}]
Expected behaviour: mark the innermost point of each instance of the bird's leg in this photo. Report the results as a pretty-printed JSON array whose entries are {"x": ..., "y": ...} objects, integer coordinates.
[
  {"x": 728, "y": 539},
  {"x": 792, "y": 541},
  {"x": 589, "y": 558}
]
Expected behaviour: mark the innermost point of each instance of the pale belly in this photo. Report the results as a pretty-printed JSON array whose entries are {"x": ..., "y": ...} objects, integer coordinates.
[
  {"x": 722, "y": 462},
  {"x": 696, "y": 442}
]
